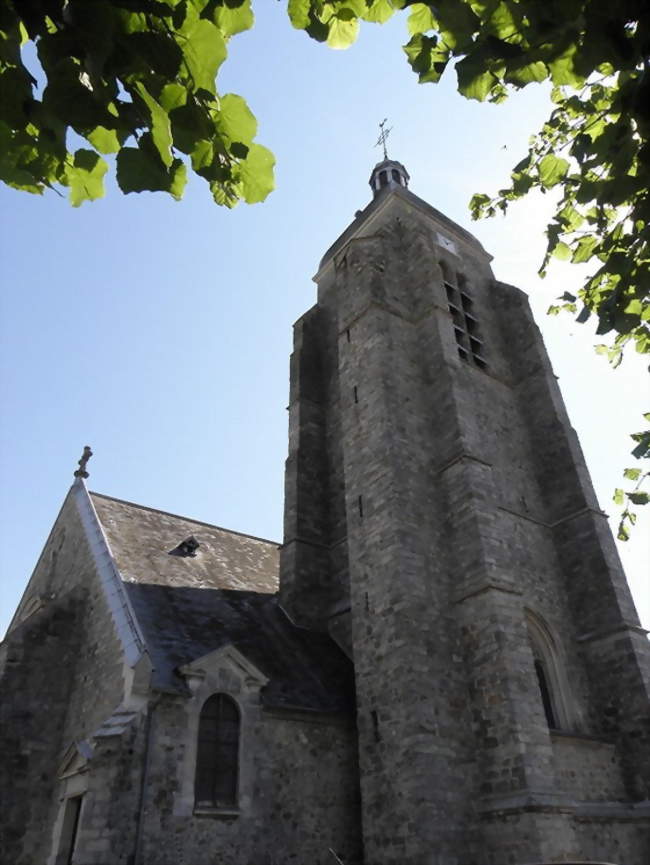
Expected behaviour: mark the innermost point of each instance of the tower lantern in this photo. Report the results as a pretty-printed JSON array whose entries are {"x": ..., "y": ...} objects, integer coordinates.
[{"x": 388, "y": 173}]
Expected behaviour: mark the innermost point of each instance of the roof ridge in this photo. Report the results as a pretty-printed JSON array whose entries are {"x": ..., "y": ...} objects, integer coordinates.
[{"x": 181, "y": 517}]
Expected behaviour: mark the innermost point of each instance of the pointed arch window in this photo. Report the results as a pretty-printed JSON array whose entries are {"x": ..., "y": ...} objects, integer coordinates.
[
  {"x": 217, "y": 759},
  {"x": 555, "y": 695}
]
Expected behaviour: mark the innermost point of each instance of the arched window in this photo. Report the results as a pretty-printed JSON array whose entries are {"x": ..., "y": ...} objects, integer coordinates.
[
  {"x": 550, "y": 675},
  {"x": 383, "y": 178},
  {"x": 394, "y": 175},
  {"x": 217, "y": 756}
]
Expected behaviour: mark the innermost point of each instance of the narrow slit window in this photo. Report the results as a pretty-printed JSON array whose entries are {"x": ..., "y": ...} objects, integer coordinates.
[
  {"x": 356, "y": 394},
  {"x": 360, "y": 503},
  {"x": 375, "y": 725},
  {"x": 546, "y": 694}
]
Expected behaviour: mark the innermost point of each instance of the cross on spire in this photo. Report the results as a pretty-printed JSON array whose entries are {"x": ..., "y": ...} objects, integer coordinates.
[
  {"x": 83, "y": 462},
  {"x": 383, "y": 135}
]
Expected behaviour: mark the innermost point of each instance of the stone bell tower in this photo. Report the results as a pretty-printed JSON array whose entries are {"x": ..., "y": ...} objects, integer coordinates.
[{"x": 440, "y": 523}]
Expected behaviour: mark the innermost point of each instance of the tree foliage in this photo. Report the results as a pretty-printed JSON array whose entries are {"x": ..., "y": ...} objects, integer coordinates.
[
  {"x": 135, "y": 78},
  {"x": 594, "y": 149}
]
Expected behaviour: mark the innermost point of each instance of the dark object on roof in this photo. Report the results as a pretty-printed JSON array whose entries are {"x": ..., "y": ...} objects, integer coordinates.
[
  {"x": 140, "y": 539},
  {"x": 188, "y": 547},
  {"x": 306, "y": 669}
]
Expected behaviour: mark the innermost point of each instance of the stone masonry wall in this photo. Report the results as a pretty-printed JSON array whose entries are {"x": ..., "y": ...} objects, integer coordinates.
[
  {"x": 587, "y": 768},
  {"x": 36, "y": 686},
  {"x": 298, "y": 793},
  {"x": 66, "y": 679}
]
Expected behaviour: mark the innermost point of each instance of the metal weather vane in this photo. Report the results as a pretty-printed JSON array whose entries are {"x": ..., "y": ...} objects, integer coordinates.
[{"x": 383, "y": 135}]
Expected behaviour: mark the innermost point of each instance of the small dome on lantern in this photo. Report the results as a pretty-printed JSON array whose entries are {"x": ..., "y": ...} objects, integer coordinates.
[{"x": 388, "y": 173}]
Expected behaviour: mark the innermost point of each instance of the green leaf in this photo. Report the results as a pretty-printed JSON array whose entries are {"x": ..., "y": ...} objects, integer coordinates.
[
  {"x": 632, "y": 474},
  {"x": 202, "y": 155},
  {"x": 204, "y": 50},
  {"x": 233, "y": 19},
  {"x": 527, "y": 73},
  {"x": 562, "y": 67},
  {"x": 381, "y": 10},
  {"x": 299, "y": 13},
  {"x": 161, "y": 132},
  {"x": 71, "y": 101},
  {"x": 639, "y": 498},
  {"x": 343, "y": 29},
  {"x": 552, "y": 169},
  {"x": 562, "y": 251},
  {"x": 623, "y": 532},
  {"x": 475, "y": 81},
  {"x": 584, "y": 249},
  {"x": 140, "y": 171},
  {"x": 420, "y": 19},
  {"x": 634, "y": 307},
  {"x": 178, "y": 179},
  {"x": 85, "y": 177},
  {"x": 172, "y": 96},
  {"x": 427, "y": 57},
  {"x": 257, "y": 174},
  {"x": 236, "y": 121},
  {"x": 191, "y": 123},
  {"x": 159, "y": 50},
  {"x": 104, "y": 140},
  {"x": 618, "y": 497},
  {"x": 642, "y": 450}
]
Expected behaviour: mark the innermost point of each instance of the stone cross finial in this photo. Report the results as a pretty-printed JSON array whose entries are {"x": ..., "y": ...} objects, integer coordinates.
[
  {"x": 383, "y": 135},
  {"x": 81, "y": 471}
]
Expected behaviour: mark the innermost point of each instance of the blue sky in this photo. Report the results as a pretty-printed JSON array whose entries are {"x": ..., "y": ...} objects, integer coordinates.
[{"x": 159, "y": 332}]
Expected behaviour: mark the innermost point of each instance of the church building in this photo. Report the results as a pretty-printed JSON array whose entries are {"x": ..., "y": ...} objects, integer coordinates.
[{"x": 441, "y": 663}]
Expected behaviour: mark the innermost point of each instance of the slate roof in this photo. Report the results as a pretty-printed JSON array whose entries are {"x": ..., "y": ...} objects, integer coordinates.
[
  {"x": 141, "y": 539},
  {"x": 306, "y": 669},
  {"x": 189, "y": 606}
]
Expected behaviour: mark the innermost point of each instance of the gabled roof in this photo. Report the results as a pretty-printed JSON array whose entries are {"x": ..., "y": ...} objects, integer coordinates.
[
  {"x": 305, "y": 669},
  {"x": 141, "y": 539},
  {"x": 189, "y": 606}
]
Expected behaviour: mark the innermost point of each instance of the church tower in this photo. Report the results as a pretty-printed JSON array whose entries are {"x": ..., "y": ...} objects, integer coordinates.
[{"x": 441, "y": 525}]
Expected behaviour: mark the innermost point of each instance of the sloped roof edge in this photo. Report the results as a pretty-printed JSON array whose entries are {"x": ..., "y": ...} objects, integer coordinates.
[
  {"x": 378, "y": 203},
  {"x": 124, "y": 617},
  {"x": 20, "y": 608},
  {"x": 94, "y": 494}
]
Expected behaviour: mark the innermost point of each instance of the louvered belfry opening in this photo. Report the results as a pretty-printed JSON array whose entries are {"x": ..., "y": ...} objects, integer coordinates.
[{"x": 217, "y": 758}]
